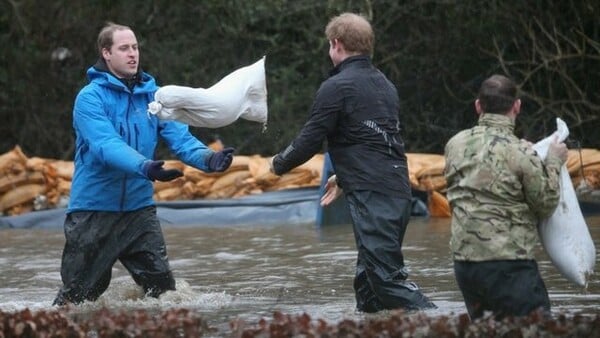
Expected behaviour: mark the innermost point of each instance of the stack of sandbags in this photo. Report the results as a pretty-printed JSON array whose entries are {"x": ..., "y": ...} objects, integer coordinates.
[
  {"x": 426, "y": 173},
  {"x": 36, "y": 183},
  {"x": 584, "y": 167},
  {"x": 17, "y": 186},
  {"x": 32, "y": 183},
  {"x": 246, "y": 175}
]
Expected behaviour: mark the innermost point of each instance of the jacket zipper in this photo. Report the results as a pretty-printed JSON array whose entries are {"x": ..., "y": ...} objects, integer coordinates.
[
  {"x": 124, "y": 185},
  {"x": 124, "y": 181}
]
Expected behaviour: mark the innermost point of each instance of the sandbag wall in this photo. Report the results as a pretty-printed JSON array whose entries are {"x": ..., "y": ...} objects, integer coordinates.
[
  {"x": 426, "y": 172},
  {"x": 34, "y": 183}
]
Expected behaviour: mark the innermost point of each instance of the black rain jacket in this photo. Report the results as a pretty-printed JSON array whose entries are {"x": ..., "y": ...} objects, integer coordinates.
[{"x": 356, "y": 110}]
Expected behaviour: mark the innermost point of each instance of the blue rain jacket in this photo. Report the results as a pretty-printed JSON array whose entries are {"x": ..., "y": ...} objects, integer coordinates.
[{"x": 114, "y": 136}]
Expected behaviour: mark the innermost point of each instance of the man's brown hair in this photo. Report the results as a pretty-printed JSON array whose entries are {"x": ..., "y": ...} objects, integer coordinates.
[
  {"x": 105, "y": 37},
  {"x": 354, "y": 31},
  {"x": 497, "y": 94}
]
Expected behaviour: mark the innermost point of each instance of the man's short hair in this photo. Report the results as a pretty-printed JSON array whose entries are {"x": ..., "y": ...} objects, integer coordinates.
[
  {"x": 354, "y": 31},
  {"x": 497, "y": 94},
  {"x": 105, "y": 37}
]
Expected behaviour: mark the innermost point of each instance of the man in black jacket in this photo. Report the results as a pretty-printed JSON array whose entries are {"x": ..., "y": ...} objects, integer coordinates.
[{"x": 356, "y": 110}]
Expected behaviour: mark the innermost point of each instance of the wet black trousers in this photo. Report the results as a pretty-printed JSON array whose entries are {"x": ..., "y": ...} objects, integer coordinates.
[
  {"x": 379, "y": 223},
  {"x": 504, "y": 287},
  {"x": 96, "y": 240}
]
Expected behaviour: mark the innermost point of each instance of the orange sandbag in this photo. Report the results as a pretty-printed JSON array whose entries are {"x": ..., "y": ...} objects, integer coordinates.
[
  {"x": 292, "y": 180},
  {"x": 437, "y": 182},
  {"x": 258, "y": 166},
  {"x": 9, "y": 182},
  {"x": 168, "y": 194},
  {"x": 591, "y": 169},
  {"x": 36, "y": 163},
  {"x": 578, "y": 158},
  {"x": 12, "y": 161},
  {"x": 426, "y": 165},
  {"x": 247, "y": 190},
  {"x": 23, "y": 194},
  {"x": 233, "y": 178},
  {"x": 418, "y": 161},
  {"x": 314, "y": 165},
  {"x": 188, "y": 190},
  {"x": 174, "y": 164},
  {"x": 433, "y": 168},
  {"x": 194, "y": 175},
  {"x": 239, "y": 162},
  {"x": 438, "y": 205},
  {"x": 64, "y": 169},
  {"x": 241, "y": 187},
  {"x": 64, "y": 186},
  {"x": 203, "y": 187},
  {"x": 225, "y": 192},
  {"x": 160, "y": 185}
]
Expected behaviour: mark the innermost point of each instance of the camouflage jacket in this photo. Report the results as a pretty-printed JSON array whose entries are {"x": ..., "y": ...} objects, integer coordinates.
[{"x": 498, "y": 189}]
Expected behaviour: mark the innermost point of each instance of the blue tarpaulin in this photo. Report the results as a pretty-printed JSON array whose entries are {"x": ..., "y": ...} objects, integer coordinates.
[
  {"x": 282, "y": 207},
  {"x": 293, "y": 206}
]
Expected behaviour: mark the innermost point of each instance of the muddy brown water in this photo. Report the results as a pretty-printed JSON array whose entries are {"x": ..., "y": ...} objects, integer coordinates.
[{"x": 247, "y": 273}]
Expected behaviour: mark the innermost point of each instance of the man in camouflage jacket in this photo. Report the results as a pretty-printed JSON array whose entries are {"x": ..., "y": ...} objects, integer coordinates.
[{"x": 498, "y": 189}]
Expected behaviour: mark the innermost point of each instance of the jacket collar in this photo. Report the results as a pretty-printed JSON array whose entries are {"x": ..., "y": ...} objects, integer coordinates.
[
  {"x": 141, "y": 82},
  {"x": 363, "y": 60},
  {"x": 101, "y": 66},
  {"x": 497, "y": 121}
]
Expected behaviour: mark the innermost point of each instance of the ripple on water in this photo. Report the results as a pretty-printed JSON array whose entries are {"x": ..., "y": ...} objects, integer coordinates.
[{"x": 227, "y": 256}]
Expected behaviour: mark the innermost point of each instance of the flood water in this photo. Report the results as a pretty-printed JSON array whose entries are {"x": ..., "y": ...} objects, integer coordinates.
[{"x": 247, "y": 273}]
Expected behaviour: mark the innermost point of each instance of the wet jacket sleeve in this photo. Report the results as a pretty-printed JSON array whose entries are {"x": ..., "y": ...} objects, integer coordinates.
[
  {"x": 105, "y": 143},
  {"x": 184, "y": 145},
  {"x": 540, "y": 179},
  {"x": 322, "y": 121}
]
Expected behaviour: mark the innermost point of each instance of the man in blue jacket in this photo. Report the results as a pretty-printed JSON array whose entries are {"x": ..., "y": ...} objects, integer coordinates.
[
  {"x": 111, "y": 214},
  {"x": 356, "y": 111}
]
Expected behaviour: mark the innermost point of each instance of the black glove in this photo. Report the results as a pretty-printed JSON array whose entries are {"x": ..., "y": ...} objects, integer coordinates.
[
  {"x": 220, "y": 160},
  {"x": 154, "y": 171}
]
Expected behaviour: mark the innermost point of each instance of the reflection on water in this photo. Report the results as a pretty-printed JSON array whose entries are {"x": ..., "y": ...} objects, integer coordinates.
[{"x": 249, "y": 272}]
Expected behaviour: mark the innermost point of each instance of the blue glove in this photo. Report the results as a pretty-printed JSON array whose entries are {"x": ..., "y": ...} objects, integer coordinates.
[
  {"x": 220, "y": 160},
  {"x": 154, "y": 171}
]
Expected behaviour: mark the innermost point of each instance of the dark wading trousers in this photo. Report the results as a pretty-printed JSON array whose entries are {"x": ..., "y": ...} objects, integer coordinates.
[
  {"x": 503, "y": 287},
  {"x": 379, "y": 225},
  {"x": 96, "y": 240}
]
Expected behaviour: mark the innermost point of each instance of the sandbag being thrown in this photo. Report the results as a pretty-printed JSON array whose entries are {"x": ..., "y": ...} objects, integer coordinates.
[{"x": 241, "y": 94}]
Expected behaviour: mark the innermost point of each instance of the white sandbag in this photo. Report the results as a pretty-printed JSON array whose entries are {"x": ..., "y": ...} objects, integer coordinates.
[
  {"x": 241, "y": 94},
  {"x": 565, "y": 235}
]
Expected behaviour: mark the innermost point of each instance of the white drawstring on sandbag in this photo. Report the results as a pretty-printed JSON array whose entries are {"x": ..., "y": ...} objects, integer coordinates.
[{"x": 241, "y": 94}]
